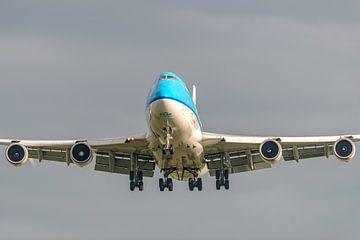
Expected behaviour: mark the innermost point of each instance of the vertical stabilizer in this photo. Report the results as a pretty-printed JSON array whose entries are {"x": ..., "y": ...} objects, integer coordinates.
[{"x": 194, "y": 94}]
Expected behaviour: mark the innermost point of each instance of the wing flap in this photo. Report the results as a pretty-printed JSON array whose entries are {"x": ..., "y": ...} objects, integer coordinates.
[
  {"x": 48, "y": 154},
  {"x": 306, "y": 152},
  {"x": 243, "y": 168},
  {"x": 236, "y": 162},
  {"x": 120, "y": 170},
  {"x": 123, "y": 163}
]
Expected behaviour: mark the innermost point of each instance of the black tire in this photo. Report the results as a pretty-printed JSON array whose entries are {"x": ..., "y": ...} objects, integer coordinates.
[
  {"x": 132, "y": 186},
  {"x": 191, "y": 184},
  {"x": 132, "y": 175},
  {"x": 140, "y": 175},
  {"x": 171, "y": 150},
  {"x": 217, "y": 174},
  {"x": 199, "y": 184},
  {"x": 141, "y": 186},
  {"x": 170, "y": 185},
  {"x": 218, "y": 184},
  {"x": 227, "y": 184},
  {"x": 161, "y": 184},
  {"x": 226, "y": 174}
]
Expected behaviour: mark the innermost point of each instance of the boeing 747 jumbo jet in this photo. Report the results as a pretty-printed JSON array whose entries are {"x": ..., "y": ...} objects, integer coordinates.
[{"x": 178, "y": 146}]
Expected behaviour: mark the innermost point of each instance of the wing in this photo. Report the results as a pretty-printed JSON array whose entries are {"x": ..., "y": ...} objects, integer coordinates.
[
  {"x": 115, "y": 155},
  {"x": 242, "y": 153}
]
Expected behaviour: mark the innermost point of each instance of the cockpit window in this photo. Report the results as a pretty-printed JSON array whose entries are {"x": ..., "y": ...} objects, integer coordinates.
[{"x": 167, "y": 77}]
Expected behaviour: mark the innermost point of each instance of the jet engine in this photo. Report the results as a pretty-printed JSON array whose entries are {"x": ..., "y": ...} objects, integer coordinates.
[
  {"x": 17, "y": 154},
  {"x": 81, "y": 154},
  {"x": 344, "y": 149},
  {"x": 270, "y": 151}
]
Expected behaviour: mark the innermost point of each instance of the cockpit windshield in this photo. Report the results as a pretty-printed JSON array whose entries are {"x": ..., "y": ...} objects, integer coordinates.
[{"x": 167, "y": 77}]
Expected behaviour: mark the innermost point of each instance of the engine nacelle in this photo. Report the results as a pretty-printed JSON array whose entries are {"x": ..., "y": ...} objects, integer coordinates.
[
  {"x": 17, "y": 154},
  {"x": 344, "y": 149},
  {"x": 81, "y": 154},
  {"x": 270, "y": 151}
]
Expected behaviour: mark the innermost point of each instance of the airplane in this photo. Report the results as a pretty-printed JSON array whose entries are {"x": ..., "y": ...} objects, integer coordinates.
[{"x": 177, "y": 144}]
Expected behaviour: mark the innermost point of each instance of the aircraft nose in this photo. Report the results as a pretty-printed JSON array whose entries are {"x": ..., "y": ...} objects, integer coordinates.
[
  {"x": 163, "y": 88},
  {"x": 167, "y": 86}
]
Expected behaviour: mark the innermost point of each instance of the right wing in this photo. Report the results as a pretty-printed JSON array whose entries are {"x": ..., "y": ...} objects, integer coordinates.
[{"x": 115, "y": 155}]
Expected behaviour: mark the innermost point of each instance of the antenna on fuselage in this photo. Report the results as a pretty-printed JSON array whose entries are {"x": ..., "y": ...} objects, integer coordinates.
[{"x": 194, "y": 94}]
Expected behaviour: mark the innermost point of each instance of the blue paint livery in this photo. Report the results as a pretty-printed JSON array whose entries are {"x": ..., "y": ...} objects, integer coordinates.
[{"x": 170, "y": 86}]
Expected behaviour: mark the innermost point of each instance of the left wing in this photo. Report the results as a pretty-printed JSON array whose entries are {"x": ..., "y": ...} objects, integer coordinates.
[
  {"x": 246, "y": 153},
  {"x": 116, "y": 155}
]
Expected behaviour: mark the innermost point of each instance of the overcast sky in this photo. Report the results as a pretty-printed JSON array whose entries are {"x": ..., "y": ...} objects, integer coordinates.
[{"x": 82, "y": 69}]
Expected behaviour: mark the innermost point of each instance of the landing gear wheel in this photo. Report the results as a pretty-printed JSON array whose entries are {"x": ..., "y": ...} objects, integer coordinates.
[
  {"x": 166, "y": 183},
  {"x": 222, "y": 178},
  {"x": 161, "y": 184},
  {"x": 218, "y": 184},
  {"x": 132, "y": 186},
  {"x": 132, "y": 175},
  {"x": 227, "y": 185},
  {"x": 167, "y": 152},
  {"x": 140, "y": 176},
  {"x": 136, "y": 180},
  {"x": 171, "y": 150},
  {"x": 141, "y": 186},
  {"x": 226, "y": 174},
  {"x": 191, "y": 184},
  {"x": 195, "y": 183},
  {"x": 217, "y": 174},
  {"x": 169, "y": 184},
  {"x": 199, "y": 184}
]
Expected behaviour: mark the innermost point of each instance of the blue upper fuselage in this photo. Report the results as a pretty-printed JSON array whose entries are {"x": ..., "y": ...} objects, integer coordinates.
[{"x": 170, "y": 86}]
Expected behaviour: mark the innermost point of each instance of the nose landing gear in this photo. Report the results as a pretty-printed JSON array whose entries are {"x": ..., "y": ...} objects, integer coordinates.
[
  {"x": 167, "y": 152},
  {"x": 168, "y": 148}
]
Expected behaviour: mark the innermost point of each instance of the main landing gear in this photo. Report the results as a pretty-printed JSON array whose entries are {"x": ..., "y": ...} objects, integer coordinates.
[
  {"x": 135, "y": 174},
  {"x": 136, "y": 180},
  {"x": 222, "y": 179},
  {"x": 167, "y": 182},
  {"x": 194, "y": 182}
]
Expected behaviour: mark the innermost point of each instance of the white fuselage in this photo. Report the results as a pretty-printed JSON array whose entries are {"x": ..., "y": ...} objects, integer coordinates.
[{"x": 185, "y": 137}]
